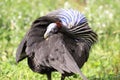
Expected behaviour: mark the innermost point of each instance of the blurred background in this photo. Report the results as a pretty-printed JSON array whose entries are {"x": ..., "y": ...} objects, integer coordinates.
[{"x": 16, "y": 16}]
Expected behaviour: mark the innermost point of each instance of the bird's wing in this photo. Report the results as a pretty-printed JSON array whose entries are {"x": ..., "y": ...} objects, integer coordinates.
[
  {"x": 20, "y": 55},
  {"x": 58, "y": 56},
  {"x": 34, "y": 35}
]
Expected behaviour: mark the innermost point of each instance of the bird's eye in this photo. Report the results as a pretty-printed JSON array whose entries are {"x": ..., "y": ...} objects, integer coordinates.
[{"x": 55, "y": 30}]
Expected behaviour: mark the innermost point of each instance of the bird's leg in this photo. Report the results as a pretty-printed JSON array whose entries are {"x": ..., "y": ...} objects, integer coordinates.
[
  {"x": 62, "y": 77},
  {"x": 49, "y": 76}
]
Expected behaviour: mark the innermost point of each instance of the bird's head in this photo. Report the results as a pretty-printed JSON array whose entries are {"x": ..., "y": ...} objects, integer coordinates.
[{"x": 51, "y": 29}]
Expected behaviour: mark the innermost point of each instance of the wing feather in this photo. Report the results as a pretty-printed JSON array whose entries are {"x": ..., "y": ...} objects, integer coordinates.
[
  {"x": 34, "y": 35},
  {"x": 20, "y": 54},
  {"x": 61, "y": 59}
]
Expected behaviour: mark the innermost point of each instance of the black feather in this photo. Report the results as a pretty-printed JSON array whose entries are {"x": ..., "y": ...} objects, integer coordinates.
[{"x": 20, "y": 55}]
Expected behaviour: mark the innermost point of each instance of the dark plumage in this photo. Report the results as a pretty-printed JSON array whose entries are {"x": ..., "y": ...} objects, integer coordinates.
[{"x": 60, "y": 52}]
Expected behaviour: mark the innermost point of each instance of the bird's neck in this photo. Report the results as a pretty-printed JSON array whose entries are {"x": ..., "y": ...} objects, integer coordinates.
[{"x": 62, "y": 28}]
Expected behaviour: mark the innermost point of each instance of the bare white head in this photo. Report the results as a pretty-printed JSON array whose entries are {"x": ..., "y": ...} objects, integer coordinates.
[{"x": 51, "y": 29}]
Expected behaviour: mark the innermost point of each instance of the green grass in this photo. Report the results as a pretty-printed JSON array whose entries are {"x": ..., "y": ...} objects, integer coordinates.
[{"x": 16, "y": 17}]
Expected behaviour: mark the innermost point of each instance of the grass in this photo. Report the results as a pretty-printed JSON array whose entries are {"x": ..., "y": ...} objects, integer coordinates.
[{"x": 17, "y": 16}]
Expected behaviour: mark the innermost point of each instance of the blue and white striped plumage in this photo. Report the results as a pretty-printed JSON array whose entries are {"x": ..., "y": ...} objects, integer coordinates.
[
  {"x": 76, "y": 24},
  {"x": 69, "y": 17}
]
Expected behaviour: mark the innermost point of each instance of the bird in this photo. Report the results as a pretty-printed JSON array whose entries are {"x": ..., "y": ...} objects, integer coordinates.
[{"x": 58, "y": 41}]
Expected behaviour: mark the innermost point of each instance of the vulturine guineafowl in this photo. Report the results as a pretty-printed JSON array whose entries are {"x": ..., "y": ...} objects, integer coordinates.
[{"x": 59, "y": 41}]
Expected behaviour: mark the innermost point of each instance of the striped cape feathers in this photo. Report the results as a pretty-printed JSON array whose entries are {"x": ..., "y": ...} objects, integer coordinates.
[{"x": 75, "y": 24}]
